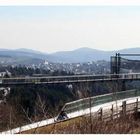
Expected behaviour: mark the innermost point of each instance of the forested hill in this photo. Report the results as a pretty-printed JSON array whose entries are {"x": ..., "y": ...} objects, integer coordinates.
[{"x": 27, "y": 56}]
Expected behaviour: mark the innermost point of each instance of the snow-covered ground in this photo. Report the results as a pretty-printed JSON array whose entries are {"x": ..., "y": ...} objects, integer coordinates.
[{"x": 70, "y": 115}]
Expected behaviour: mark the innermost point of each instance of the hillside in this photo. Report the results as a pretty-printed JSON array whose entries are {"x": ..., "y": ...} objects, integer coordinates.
[
  {"x": 88, "y": 54},
  {"x": 79, "y": 55},
  {"x": 82, "y": 125},
  {"x": 82, "y": 55}
]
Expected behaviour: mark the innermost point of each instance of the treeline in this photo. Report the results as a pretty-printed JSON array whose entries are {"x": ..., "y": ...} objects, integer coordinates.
[
  {"x": 33, "y": 103},
  {"x": 26, "y": 103},
  {"x": 30, "y": 71},
  {"x": 30, "y": 98}
]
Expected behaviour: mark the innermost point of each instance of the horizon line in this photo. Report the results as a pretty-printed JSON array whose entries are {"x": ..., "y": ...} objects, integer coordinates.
[{"x": 41, "y": 51}]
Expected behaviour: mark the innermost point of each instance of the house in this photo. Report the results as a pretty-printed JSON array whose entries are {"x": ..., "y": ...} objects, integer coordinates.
[{"x": 5, "y": 74}]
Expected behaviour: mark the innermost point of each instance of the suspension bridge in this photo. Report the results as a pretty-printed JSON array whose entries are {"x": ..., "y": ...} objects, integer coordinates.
[
  {"x": 116, "y": 74},
  {"x": 86, "y": 105},
  {"x": 67, "y": 79}
]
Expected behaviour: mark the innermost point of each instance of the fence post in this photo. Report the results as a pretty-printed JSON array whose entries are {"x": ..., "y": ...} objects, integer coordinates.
[
  {"x": 101, "y": 114},
  {"x": 136, "y": 109},
  {"x": 124, "y": 108},
  {"x": 90, "y": 115},
  {"x": 112, "y": 112}
]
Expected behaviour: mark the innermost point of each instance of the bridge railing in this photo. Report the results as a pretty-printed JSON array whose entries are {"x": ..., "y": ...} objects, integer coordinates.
[
  {"x": 53, "y": 78},
  {"x": 72, "y": 78},
  {"x": 98, "y": 100}
]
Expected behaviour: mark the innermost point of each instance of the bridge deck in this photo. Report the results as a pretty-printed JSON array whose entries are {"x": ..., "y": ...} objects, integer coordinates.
[{"x": 67, "y": 79}]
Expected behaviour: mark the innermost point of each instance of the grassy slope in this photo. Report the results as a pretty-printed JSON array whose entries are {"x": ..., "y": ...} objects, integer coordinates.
[{"x": 82, "y": 125}]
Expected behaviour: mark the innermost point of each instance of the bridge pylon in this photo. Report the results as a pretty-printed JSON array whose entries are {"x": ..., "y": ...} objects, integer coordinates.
[{"x": 115, "y": 64}]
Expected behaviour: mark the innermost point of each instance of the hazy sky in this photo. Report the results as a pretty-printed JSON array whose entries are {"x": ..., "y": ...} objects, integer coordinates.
[{"x": 58, "y": 28}]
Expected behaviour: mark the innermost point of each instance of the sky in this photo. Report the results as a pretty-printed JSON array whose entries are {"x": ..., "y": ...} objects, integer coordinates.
[{"x": 62, "y": 28}]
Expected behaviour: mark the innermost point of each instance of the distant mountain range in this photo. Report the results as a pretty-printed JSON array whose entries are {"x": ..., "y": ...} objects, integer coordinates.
[
  {"x": 20, "y": 56},
  {"x": 88, "y": 54}
]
